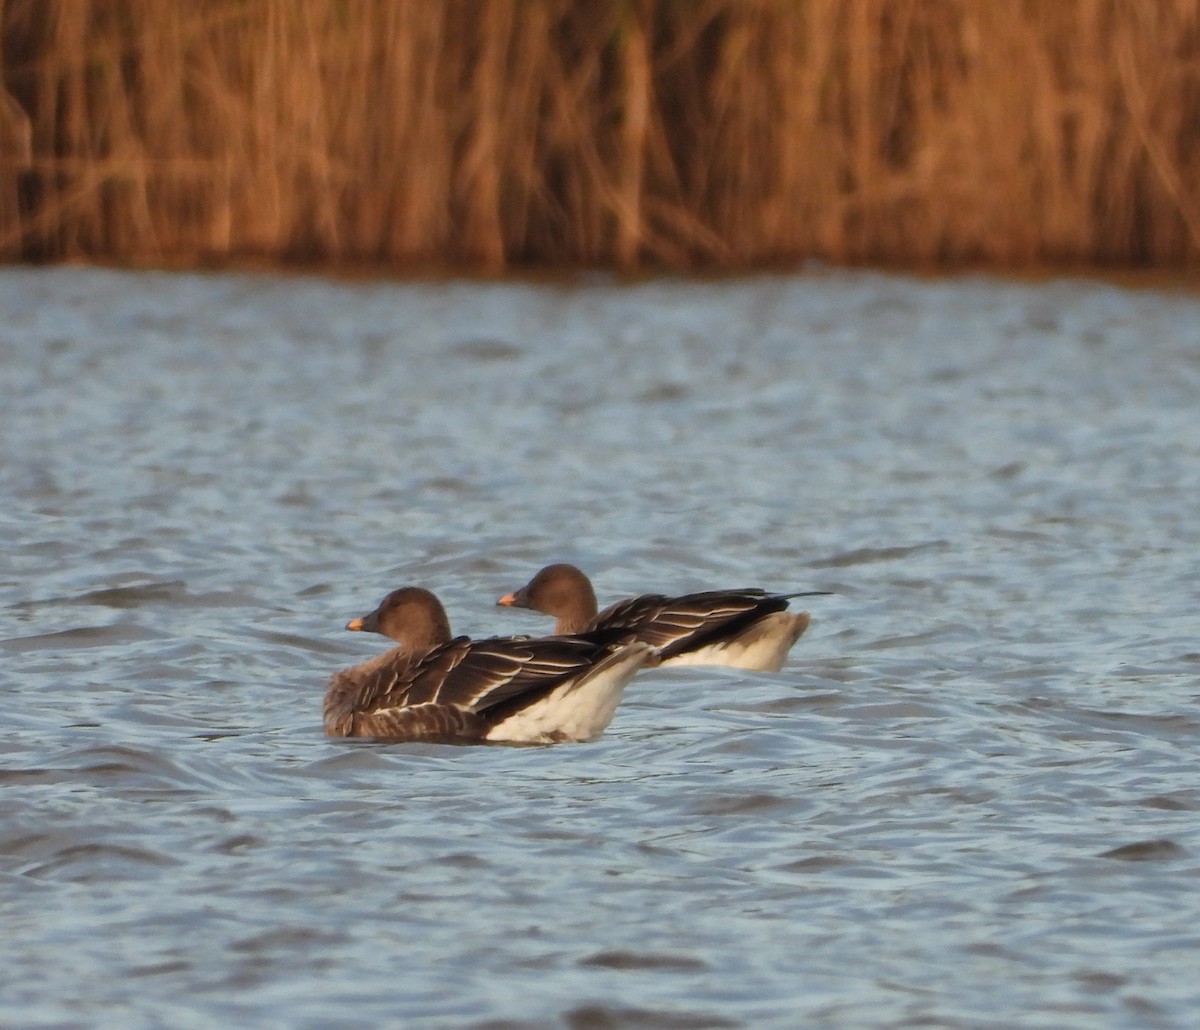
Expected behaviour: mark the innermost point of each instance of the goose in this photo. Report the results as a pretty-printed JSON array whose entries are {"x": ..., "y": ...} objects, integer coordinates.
[
  {"x": 745, "y": 629},
  {"x": 437, "y": 687}
]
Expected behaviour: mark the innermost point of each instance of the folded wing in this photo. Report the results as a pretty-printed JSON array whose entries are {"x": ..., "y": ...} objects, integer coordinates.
[{"x": 676, "y": 624}]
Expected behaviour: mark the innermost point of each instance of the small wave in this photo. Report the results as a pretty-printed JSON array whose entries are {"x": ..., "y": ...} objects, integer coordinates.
[
  {"x": 867, "y": 555},
  {"x": 637, "y": 960},
  {"x": 98, "y": 863},
  {"x": 1145, "y": 851}
]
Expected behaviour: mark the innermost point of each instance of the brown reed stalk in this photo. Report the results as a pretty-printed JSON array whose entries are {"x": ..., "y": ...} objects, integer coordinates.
[{"x": 634, "y": 133}]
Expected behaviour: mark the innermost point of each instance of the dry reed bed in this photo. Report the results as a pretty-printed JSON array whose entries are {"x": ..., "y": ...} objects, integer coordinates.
[{"x": 483, "y": 133}]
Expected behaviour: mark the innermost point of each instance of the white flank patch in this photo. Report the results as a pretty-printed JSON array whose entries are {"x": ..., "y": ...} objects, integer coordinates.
[
  {"x": 579, "y": 709},
  {"x": 763, "y": 646}
]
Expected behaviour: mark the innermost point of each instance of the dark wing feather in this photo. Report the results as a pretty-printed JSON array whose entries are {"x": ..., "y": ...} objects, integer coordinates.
[
  {"x": 399, "y": 680},
  {"x": 479, "y": 674},
  {"x": 420, "y": 722},
  {"x": 377, "y": 683},
  {"x": 673, "y": 625},
  {"x": 442, "y": 693}
]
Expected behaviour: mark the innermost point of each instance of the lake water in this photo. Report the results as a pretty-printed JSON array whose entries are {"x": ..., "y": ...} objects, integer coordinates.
[{"x": 970, "y": 799}]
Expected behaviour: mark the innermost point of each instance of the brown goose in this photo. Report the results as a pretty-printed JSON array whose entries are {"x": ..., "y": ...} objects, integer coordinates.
[
  {"x": 746, "y": 629},
  {"x": 437, "y": 688}
]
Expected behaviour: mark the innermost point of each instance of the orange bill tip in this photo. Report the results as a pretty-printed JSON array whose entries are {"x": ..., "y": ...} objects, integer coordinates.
[{"x": 355, "y": 624}]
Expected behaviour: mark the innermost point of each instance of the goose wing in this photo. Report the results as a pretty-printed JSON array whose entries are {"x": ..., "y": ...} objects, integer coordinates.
[
  {"x": 477, "y": 674},
  {"x": 675, "y": 624}
]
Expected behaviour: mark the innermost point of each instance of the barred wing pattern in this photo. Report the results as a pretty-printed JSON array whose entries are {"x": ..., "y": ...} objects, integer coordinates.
[
  {"x": 676, "y": 624},
  {"x": 444, "y": 692}
]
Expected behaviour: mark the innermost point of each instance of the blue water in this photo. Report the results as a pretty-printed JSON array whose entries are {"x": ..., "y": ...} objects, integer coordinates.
[{"x": 968, "y": 800}]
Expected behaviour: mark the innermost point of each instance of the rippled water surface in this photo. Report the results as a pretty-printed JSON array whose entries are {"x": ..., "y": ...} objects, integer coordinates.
[{"x": 970, "y": 799}]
